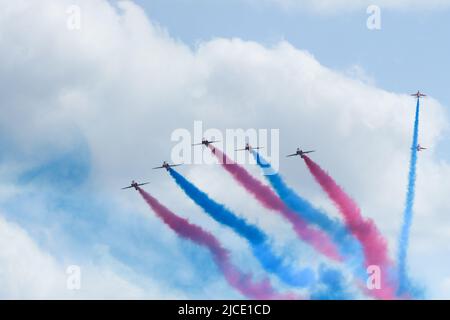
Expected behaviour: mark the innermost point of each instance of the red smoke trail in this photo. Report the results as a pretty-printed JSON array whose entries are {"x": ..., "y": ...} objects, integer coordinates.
[
  {"x": 365, "y": 230},
  {"x": 316, "y": 238},
  {"x": 242, "y": 282}
]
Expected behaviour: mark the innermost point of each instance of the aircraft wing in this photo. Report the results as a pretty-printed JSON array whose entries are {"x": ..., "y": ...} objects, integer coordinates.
[
  {"x": 143, "y": 184},
  {"x": 241, "y": 149},
  {"x": 311, "y": 151},
  {"x": 291, "y": 155},
  {"x": 127, "y": 188},
  {"x": 157, "y": 168},
  {"x": 174, "y": 165}
]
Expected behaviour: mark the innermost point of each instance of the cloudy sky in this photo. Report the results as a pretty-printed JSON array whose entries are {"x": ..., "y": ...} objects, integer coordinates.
[{"x": 85, "y": 110}]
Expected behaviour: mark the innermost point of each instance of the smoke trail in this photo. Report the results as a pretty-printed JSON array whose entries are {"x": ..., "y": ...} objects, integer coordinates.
[
  {"x": 365, "y": 230},
  {"x": 240, "y": 281},
  {"x": 257, "y": 239},
  {"x": 270, "y": 200},
  {"x": 348, "y": 247},
  {"x": 404, "y": 284}
]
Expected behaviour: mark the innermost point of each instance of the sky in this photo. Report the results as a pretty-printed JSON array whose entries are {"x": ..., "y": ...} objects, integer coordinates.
[
  {"x": 408, "y": 53},
  {"x": 85, "y": 111}
]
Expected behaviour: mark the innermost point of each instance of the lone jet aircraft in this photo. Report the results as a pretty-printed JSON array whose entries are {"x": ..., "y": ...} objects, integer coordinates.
[
  {"x": 420, "y": 148},
  {"x": 248, "y": 147},
  {"x": 166, "y": 166},
  {"x": 204, "y": 142},
  {"x": 418, "y": 95},
  {"x": 300, "y": 153},
  {"x": 135, "y": 185}
]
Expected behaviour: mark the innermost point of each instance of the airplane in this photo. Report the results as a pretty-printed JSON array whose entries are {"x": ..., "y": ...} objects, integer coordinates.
[
  {"x": 205, "y": 142},
  {"x": 420, "y": 148},
  {"x": 135, "y": 185},
  {"x": 418, "y": 95},
  {"x": 300, "y": 153},
  {"x": 248, "y": 147},
  {"x": 166, "y": 166}
]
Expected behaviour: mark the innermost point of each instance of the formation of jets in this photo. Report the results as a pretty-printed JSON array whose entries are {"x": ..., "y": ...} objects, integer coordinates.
[
  {"x": 419, "y": 95},
  {"x": 299, "y": 152}
]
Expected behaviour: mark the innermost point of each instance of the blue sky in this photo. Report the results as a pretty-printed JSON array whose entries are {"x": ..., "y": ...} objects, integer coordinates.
[{"x": 71, "y": 141}]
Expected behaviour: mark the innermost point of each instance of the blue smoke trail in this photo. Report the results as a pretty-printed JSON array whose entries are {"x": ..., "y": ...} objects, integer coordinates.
[
  {"x": 404, "y": 284},
  {"x": 349, "y": 247},
  {"x": 336, "y": 288},
  {"x": 258, "y": 240}
]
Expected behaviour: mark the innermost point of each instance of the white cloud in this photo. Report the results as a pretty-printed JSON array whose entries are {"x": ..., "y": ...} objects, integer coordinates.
[
  {"x": 125, "y": 85},
  {"x": 28, "y": 272},
  {"x": 357, "y": 72}
]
